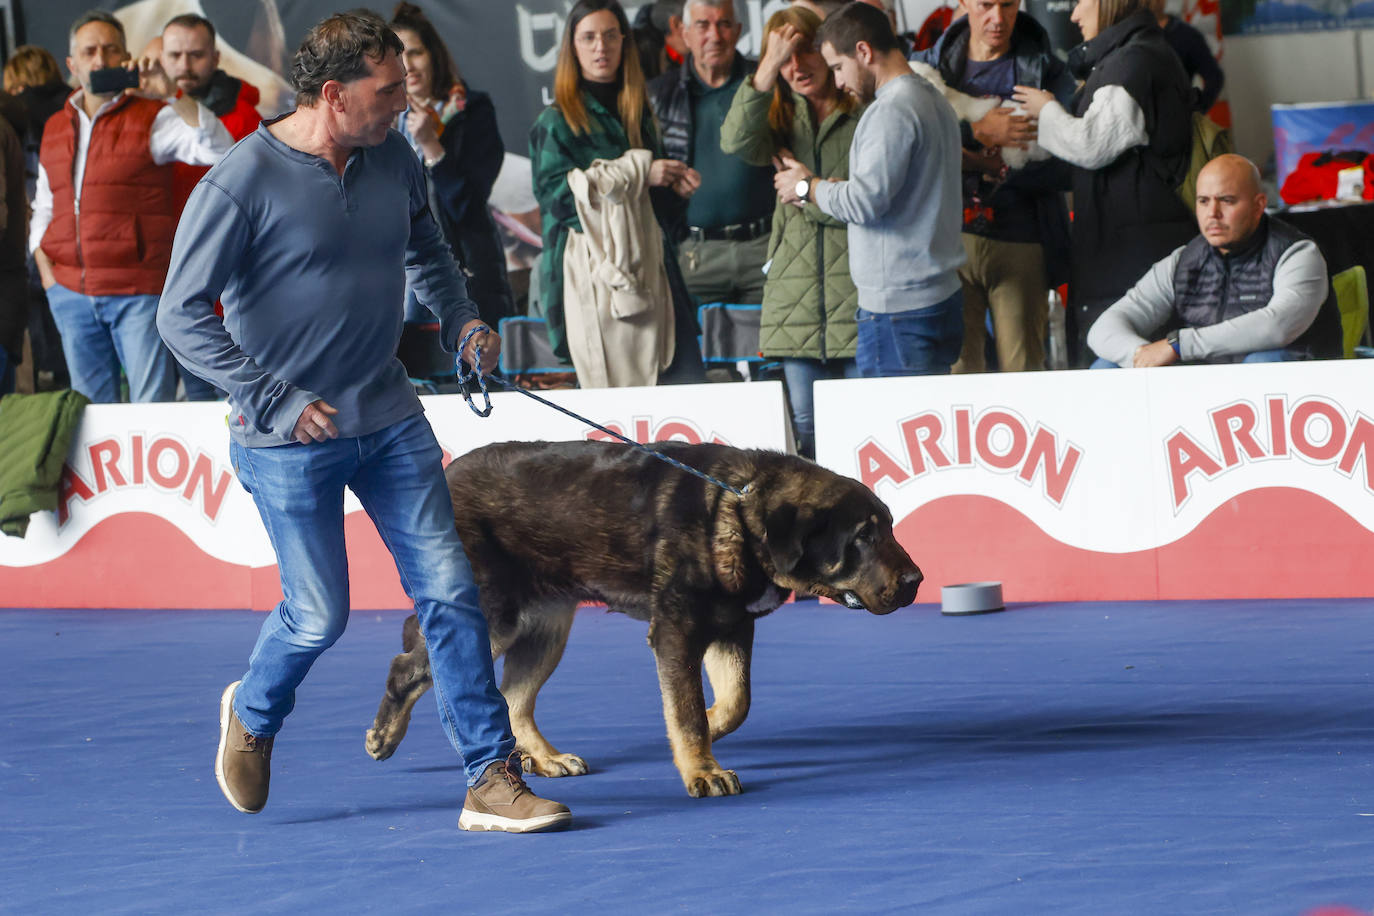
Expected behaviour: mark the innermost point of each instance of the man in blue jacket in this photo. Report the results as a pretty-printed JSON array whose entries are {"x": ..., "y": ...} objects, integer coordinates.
[
  {"x": 1015, "y": 222},
  {"x": 307, "y": 232}
]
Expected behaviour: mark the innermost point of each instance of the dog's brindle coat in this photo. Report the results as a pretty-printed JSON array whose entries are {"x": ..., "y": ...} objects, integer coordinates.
[{"x": 547, "y": 525}]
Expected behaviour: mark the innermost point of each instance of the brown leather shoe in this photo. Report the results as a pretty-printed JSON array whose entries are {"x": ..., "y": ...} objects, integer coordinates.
[
  {"x": 502, "y": 801},
  {"x": 243, "y": 765}
]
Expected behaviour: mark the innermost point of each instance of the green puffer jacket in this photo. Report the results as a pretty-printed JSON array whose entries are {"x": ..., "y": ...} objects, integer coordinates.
[
  {"x": 554, "y": 152},
  {"x": 36, "y": 430},
  {"x": 809, "y": 299}
]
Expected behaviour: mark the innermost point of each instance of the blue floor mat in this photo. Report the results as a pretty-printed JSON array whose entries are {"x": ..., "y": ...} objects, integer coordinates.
[{"x": 1198, "y": 757}]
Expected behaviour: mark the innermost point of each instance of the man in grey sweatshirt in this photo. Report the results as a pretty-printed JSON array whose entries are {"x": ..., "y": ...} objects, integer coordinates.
[
  {"x": 902, "y": 201},
  {"x": 306, "y": 232},
  {"x": 1249, "y": 288}
]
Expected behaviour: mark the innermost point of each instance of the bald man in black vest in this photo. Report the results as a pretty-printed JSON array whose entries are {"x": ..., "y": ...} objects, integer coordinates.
[{"x": 1249, "y": 288}]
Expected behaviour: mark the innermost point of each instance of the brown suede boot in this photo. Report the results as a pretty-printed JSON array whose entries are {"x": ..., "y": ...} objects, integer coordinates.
[
  {"x": 502, "y": 801},
  {"x": 243, "y": 765}
]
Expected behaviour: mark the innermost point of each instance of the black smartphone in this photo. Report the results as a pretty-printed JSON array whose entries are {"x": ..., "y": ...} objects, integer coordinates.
[{"x": 113, "y": 79}]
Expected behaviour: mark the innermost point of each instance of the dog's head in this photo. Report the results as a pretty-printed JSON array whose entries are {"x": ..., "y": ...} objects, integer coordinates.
[{"x": 833, "y": 537}]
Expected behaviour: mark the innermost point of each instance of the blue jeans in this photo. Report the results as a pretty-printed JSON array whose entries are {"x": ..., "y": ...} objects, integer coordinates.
[
  {"x": 1259, "y": 356},
  {"x": 101, "y": 333},
  {"x": 396, "y": 475},
  {"x": 924, "y": 341},
  {"x": 800, "y": 375}
]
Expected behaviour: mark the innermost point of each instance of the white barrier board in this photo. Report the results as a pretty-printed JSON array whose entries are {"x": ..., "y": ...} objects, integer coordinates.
[
  {"x": 151, "y": 515},
  {"x": 1186, "y": 482}
]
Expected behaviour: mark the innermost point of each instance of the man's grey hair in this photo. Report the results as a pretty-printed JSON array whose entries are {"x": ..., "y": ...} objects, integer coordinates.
[
  {"x": 90, "y": 16},
  {"x": 713, "y": 4}
]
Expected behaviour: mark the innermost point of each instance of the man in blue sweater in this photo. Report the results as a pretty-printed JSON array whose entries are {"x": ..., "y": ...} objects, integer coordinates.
[
  {"x": 902, "y": 201},
  {"x": 306, "y": 232}
]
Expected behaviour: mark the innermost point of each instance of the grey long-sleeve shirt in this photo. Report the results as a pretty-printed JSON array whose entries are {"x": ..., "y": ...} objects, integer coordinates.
[
  {"x": 902, "y": 200},
  {"x": 311, "y": 268},
  {"x": 1300, "y": 288}
]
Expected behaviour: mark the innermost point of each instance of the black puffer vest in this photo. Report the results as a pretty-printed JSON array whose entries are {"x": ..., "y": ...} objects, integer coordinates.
[{"x": 1211, "y": 287}]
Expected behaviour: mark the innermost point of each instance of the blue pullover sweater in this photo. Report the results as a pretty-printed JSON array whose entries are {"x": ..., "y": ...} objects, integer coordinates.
[{"x": 311, "y": 268}]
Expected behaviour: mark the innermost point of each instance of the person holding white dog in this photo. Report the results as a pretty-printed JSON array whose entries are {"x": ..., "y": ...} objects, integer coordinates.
[
  {"x": 1016, "y": 227},
  {"x": 1129, "y": 132}
]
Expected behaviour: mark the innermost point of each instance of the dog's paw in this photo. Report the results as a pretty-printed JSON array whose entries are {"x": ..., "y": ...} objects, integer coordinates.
[
  {"x": 712, "y": 783},
  {"x": 555, "y": 765},
  {"x": 378, "y": 745}
]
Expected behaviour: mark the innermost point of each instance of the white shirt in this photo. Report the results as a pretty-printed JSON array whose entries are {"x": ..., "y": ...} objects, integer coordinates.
[{"x": 171, "y": 140}]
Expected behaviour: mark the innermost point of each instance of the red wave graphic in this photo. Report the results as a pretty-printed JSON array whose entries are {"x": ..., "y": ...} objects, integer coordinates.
[
  {"x": 1270, "y": 543},
  {"x": 1276, "y": 542},
  {"x": 140, "y": 560}
]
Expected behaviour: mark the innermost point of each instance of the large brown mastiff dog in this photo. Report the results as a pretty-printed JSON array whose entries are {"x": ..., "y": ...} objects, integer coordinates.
[{"x": 547, "y": 525}]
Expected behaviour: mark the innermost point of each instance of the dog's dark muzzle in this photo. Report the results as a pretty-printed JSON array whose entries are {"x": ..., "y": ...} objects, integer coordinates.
[{"x": 907, "y": 586}]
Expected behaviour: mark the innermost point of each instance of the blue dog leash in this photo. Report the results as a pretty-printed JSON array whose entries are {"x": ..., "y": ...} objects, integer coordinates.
[{"x": 466, "y": 375}]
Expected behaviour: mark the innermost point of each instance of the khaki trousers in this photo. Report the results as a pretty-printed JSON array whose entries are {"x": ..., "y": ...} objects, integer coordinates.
[{"x": 1007, "y": 278}]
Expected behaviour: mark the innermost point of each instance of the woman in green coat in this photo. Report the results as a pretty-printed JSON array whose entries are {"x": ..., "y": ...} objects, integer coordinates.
[
  {"x": 600, "y": 111},
  {"x": 792, "y": 105}
]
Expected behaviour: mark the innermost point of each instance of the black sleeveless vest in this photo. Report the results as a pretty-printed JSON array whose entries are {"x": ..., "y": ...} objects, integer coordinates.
[{"x": 1210, "y": 287}]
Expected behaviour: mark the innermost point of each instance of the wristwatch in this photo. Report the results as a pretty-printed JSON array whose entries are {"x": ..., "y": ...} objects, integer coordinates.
[
  {"x": 803, "y": 189},
  {"x": 1172, "y": 338}
]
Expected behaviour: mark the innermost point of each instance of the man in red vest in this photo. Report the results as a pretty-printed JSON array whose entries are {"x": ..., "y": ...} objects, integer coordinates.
[
  {"x": 104, "y": 212},
  {"x": 187, "y": 52},
  {"x": 190, "y": 60}
]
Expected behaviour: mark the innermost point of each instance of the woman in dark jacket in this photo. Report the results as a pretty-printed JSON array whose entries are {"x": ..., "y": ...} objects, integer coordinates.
[
  {"x": 453, "y": 131},
  {"x": 1130, "y": 134}
]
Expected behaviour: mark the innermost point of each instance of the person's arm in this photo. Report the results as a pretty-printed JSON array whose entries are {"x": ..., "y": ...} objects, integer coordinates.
[
  {"x": 1198, "y": 59},
  {"x": 432, "y": 272},
  {"x": 1112, "y": 125},
  {"x": 211, "y": 242},
  {"x": 1146, "y": 307},
  {"x": 39, "y": 220},
  {"x": 888, "y": 145},
  {"x": 745, "y": 132},
  {"x": 174, "y": 139},
  {"x": 550, "y": 162},
  {"x": 1300, "y": 288},
  {"x": 473, "y": 152}
]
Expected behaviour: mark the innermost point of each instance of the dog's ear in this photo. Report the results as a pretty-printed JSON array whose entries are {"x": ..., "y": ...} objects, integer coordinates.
[{"x": 786, "y": 532}]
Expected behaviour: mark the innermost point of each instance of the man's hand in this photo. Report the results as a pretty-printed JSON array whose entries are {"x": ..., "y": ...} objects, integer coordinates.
[
  {"x": 489, "y": 341},
  {"x": 1159, "y": 353},
  {"x": 153, "y": 81},
  {"x": 1004, "y": 127},
  {"x": 790, "y": 171},
  {"x": 44, "y": 265},
  {"x": 314, "y": 424},
  {"x": 670, "y": 173}
]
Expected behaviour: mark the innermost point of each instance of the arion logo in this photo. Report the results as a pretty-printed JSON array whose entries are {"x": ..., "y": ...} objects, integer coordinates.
[
  {"x": 165, "y": 463},
  {"x": 1314, "y": 430},
  {"x": 998, "y": 440},
  {"x": 645, "y": 430}
]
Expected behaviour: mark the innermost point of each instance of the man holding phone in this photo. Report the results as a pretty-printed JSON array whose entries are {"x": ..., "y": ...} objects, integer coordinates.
[{"x": 104, "y": 213}]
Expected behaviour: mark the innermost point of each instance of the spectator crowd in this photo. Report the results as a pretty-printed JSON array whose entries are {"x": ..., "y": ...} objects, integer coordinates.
[{"x": 893, "y": 209}]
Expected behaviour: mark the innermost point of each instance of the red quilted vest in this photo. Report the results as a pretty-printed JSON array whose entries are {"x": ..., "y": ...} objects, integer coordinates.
[{"x": 120, "y": 242}]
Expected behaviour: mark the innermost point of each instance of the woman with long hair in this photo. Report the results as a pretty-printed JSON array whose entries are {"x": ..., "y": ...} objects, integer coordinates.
[
  {"x": 453, "y": 130},
  {"x": 600, "y": 112},
  {"x": 792, "y": 106},
  {"x": 1129, "y": 136}
]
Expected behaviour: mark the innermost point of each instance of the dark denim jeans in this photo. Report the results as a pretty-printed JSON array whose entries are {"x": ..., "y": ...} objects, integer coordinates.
[
  {"x": 924, "y": 341},
  {"x": 396, "y": 475}
]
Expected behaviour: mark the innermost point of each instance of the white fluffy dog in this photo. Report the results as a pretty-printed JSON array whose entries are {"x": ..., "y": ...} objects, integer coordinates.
[{"x": 972, "y": 109}]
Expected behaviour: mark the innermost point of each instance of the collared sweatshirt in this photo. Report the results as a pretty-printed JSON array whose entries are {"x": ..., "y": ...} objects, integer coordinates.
[
  {"x": 902, "y": 199},
  {"x": 311, "y": 268}
]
